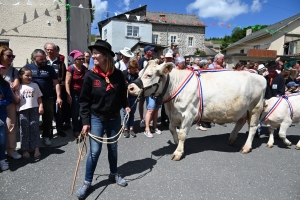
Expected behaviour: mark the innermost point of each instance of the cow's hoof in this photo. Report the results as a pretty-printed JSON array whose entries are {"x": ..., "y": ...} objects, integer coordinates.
[
  {"x": 175, "y": 157},
  {"x": 270, "y": 145},
  {"x": 231, "y": 142},
  {"x": 289, "y": 144},
  {"x": 297, "y": 147},
  {"x": 244, "y": 150}
]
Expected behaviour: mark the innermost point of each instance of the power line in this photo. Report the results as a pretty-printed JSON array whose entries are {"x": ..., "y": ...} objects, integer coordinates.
[{"x": 281, "y": 7}]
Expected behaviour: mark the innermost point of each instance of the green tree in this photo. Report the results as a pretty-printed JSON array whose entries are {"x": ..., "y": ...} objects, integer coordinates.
[{"x": 93, "y": 14}]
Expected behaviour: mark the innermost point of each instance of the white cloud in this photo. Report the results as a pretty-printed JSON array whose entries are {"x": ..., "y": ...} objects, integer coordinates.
[
  {"x": 223, "y": 10},
  {"x": 100, "y": 8},
  {"x": 127, "y": 4},
  {"x": 256, "y": 6}
]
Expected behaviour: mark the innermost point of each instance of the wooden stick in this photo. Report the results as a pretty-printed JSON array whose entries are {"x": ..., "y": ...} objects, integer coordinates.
[{"x": 78, "y": 161}]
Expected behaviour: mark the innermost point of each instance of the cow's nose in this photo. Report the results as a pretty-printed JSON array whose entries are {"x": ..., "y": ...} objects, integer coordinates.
[{"x": 131, "y": 88}]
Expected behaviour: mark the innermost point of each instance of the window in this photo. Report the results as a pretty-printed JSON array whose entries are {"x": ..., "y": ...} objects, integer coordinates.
[
  {"x": 291, "y": 44},
  {"x": 105, "y": 34},
  {"x": 132, "y": 31},
  {"x": 191, "y": 42},
  {"x": 154, "y": 39},
  {"x": 4, "y": 43},
  {"x": 256, "y": 47},
  {"x": 173, "y": 39},
  {"x": 242, "y": 51}
]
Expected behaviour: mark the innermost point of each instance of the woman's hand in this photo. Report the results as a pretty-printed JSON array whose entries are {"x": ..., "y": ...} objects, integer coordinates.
[
  {"x": 85, "y": 129},
  {"x": 127, "y": 110}
]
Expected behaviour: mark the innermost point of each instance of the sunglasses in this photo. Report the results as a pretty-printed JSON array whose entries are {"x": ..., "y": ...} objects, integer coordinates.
[
  {"x": 10, "y": 56},
  {"x": 80, "y": 59}
]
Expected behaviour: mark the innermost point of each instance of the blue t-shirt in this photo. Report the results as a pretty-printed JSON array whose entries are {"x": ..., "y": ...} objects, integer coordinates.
[
  {"x": 44, "y": 77},
  {"x": 141, "y": 62}
]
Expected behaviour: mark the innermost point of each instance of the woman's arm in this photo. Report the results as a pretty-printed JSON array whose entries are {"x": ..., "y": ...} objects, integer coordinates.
[
  {"x": 16, "y": 97},
  {"x": 68, "y": 83}
]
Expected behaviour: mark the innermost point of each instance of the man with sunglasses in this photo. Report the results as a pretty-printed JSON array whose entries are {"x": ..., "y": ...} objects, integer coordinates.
[
  {"x": 44, "y": 75},
  {"x": 62, "y": 114}
]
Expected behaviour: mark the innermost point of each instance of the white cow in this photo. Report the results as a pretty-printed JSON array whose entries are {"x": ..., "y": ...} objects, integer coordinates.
[
  {"x": 278, "y": 113},
  {"x": 228, "y": 96}
]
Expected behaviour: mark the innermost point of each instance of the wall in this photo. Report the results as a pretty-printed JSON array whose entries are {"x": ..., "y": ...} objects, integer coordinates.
[
  {"x": 182, "y": 33},
  {"x": 117, "y": 31},
  {"x": 33, "y": 32}
]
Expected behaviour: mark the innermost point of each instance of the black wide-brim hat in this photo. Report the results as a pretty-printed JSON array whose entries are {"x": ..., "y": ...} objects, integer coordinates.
[
  {"x": 101, "y": 44},
  {"x": 271, "y": 64}
]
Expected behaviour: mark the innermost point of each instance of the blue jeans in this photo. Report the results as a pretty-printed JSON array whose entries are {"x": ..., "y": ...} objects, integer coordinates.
[
  {"x": 3, "y": 138},
  {"x": 130, "y": 121},
  {"x": 97, "y": 128},
  {"x": 76, "y": 123}
]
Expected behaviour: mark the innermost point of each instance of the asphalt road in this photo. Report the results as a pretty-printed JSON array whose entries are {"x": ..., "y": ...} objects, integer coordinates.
[{"x": 210, "y": 169}]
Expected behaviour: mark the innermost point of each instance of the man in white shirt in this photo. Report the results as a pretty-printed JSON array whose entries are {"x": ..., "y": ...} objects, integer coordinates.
[{"x": 126, "y": 55}]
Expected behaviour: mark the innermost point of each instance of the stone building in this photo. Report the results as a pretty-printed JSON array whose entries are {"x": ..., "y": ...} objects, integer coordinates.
[
  {"x": 28, "y": 25},
  {"x": 139, "y": 27}
]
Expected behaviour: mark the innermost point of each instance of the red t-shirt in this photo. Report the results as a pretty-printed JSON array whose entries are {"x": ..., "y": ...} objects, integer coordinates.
[{"x": 77, "y": 78}]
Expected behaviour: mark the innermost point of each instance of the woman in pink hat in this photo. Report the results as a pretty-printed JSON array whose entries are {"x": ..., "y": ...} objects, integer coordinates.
[{"x": 74, "y": 81}]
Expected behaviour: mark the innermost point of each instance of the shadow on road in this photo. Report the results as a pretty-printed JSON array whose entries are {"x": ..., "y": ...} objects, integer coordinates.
[
  {"x": 141, "y": 167},
  {"x": 14, "y": 165},
  {"x": 210, "y": 143}
]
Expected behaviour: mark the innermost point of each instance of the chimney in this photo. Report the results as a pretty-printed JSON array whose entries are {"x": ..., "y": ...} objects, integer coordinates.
[{"x": 248, "y": 31}]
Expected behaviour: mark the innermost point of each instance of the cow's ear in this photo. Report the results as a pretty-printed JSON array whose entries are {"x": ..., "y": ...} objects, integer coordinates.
[{"x": 165, "y": 68}]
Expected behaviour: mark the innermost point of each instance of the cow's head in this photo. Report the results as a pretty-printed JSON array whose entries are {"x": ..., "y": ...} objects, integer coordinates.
[{"x": 150, "y": 78}]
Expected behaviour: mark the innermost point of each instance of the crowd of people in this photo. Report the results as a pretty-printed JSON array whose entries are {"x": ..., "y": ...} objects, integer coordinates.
[{"x": 89, "y": 94}]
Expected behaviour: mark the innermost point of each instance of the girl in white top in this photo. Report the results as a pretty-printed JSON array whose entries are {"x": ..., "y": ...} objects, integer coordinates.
[{"x": 30, "y": 106}]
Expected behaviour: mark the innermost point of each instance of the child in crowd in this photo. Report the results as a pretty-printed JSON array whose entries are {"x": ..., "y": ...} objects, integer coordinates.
[
  {"x": 130, "y": 75},
  {"x": 30, "y": 106},
  {"x": 6, "y": 98},
  {"x": 291, "y": 87}
]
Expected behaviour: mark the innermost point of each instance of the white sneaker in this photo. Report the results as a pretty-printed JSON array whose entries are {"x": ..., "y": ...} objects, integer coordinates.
[
  {"x": 148, "y": 134},
  {"x": 142, "y": 124},
  {"x": 157, "y": 131},
  {"x": 3, "y": 165},
  {"x": 15, "y": 155}
]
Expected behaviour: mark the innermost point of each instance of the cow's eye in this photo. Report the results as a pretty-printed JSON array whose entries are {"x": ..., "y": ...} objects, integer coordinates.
[{"x": 149, "y": 75}]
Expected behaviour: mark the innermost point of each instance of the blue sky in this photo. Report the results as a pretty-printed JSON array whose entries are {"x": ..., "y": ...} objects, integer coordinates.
[{"x": 216, "y": 14}]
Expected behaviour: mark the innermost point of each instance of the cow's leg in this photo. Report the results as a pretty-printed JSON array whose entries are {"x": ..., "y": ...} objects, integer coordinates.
[
  {"x": 271, "y": 137},
  {"x": 253, "y": 125},
  {"x": 282, "y": 133},
  {"x": 172, "y": 129},
  {"x": 182, "y": 134},
  {"x": 234, "y": 133},
  {"x": 298, "y": 145}
]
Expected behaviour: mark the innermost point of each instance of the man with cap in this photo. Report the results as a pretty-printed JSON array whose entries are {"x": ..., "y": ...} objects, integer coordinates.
[
  {"x": 275, "y": 84},
  {"x": 148, "y": 50},
  {"x": 275, "y": 81},
  {"x": 118, "y": 56},
  {"x": 126, "y": 55}
]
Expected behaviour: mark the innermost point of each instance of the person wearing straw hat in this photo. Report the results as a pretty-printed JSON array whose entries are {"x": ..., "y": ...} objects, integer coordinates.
[
  {"x": 126, "y": 55},
  {"x": 103, "y": 95}
]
